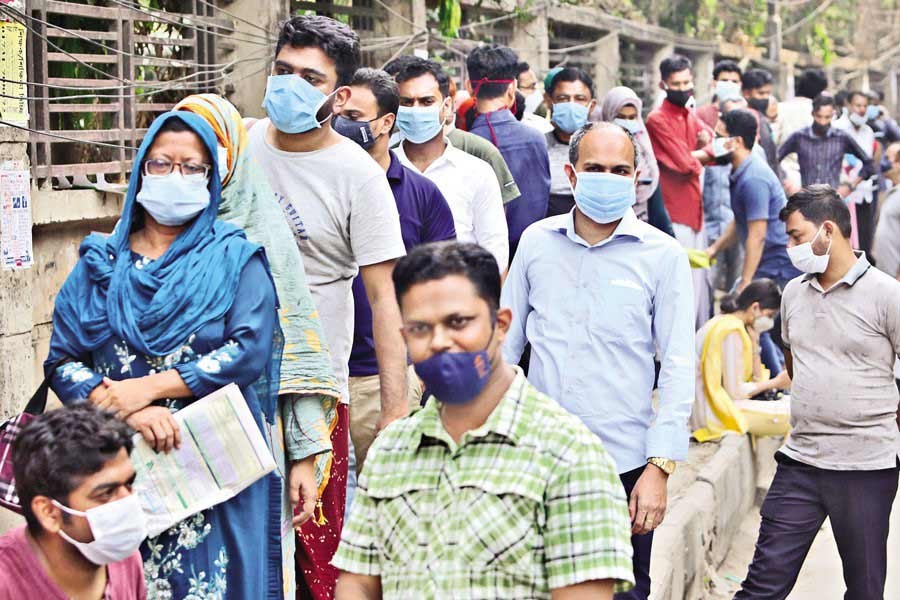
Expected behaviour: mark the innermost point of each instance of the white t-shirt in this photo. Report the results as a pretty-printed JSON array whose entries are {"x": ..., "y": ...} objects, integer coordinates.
[
  {"x": 342, "y": 212},
  {"x": 471, "y": 189}
]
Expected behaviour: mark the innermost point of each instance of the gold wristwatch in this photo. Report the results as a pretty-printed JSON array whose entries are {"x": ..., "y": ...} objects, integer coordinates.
[{"x": 665, "y": 464}]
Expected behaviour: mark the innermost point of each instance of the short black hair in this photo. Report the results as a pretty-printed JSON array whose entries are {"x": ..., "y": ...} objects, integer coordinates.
[
  {"x": 764, "y": 291},
  {"x": 335, "y": 39},
  {"x": 851, "y": 94},
  {"x": 726, "y": 66},
  {"x": 755, "y": 79},
  {"x": 674, "y": 64},
  {"x": 396, "y": 65},
  {"x": 58, "y": 449},
  {"x": 416, "y": 67},
  {"x": 430, "y": 262},
  {"x": 741, "y": 123},
  {"x": 811, "y": 83},
  {"x": 571, "y": 74},
  {"x": 575, "y": 140},
  {"x": 823, "y": 99},
  {"x": 382, "y": 86},
  {"x": 522, "y": 68},
  {"x": 819, "y": 203},
  {"x": 495, "y": 63}
]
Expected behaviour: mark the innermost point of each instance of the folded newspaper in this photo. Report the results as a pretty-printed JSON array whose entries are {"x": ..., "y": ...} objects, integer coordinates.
[{"x": 222, "y": 452}]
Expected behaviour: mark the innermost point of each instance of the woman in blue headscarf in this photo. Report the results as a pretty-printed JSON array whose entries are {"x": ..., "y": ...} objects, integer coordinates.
[{"x": 169, "y": 308}]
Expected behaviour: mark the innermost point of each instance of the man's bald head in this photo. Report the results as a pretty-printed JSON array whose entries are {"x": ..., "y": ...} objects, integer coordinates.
[{"x": 602, "y": 142}]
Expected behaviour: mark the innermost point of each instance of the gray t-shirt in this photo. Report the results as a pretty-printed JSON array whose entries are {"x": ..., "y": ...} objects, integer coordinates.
[
  {"x": 341, "y": 210},
  {"x": 843, "y": 395},
  {"x": 559, "y": 158},
  {"x": 887, "y": 234}
]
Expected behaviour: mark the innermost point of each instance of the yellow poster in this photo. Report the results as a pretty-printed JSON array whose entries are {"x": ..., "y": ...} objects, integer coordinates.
[{"x": 13, "y": 91}]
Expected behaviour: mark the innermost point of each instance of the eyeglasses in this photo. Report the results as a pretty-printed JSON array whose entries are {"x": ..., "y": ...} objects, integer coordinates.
[{"x": 157, "y": 166}]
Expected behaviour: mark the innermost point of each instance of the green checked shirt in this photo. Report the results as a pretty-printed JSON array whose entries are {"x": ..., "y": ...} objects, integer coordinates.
[{"x": 528, "y": 502}]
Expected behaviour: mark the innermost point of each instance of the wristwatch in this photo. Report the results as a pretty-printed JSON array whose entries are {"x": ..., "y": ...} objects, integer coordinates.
[{"x": 665, "y": 464}]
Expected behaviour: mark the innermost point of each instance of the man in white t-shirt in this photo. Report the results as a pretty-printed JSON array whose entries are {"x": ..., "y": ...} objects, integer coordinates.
[
  {"x": 467, "y": 183},
  {"x": 344, "y": 218}
]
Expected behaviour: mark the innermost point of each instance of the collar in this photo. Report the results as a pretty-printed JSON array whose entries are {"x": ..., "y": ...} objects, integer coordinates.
[
  {"x": 502, "y": 115},
  {"x": 739, "y": 172},
  {"x": 859, "y": 268},
  {"x": 629, "y": 226},
  {"x": 395, "y": 169},
  {"x": 449, "y": 155},
  {"x": 506, "y": 420},
  {"x": 668, "y": 107},
  {"x": 832, "y": 131}
]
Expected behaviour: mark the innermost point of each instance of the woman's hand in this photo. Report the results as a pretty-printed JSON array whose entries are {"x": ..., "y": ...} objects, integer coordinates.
[
  {"x": 158, "y": 427},
  {"x": 124, "y": 398},
  {"x": 303, "y": 490},
  {"x": 98, "y": 393}
]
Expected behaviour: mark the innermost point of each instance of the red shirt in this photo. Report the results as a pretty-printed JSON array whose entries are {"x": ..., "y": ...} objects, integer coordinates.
[
  {"x": 709, "y": 114},
  {"x": 22, "y": 577},
  {"x": 673, "y": 132}
]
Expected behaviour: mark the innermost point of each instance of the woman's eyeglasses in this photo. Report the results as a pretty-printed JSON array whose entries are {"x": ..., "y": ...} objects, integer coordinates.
[{"x": 156, "y": 166}]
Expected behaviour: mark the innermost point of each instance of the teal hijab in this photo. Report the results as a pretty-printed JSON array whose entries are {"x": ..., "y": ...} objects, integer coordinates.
[{"x": 156, "y": 308}]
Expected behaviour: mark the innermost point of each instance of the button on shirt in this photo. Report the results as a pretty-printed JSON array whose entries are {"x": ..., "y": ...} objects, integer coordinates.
[
  {"x": 525, "y": 152},
  {"x": 595, "y": 316},
  {"x": 821, "y": 157},
  {"x": 471, "y": 189},
  {"x": 843, "y": 394},
  {"x": 757, "y": 195},
  {"x": 424, "y": 217},
  {"x": 514, "y": 510}
]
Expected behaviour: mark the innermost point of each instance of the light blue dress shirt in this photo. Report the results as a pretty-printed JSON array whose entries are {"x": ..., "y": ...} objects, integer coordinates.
[{"x": 595, "y": 316}]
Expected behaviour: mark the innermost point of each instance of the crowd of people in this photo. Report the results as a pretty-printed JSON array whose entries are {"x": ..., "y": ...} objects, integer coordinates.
[{"x": 475, "y": 321}]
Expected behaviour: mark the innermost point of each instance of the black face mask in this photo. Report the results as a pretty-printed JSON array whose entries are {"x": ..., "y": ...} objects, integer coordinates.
[
  {"x": 358, "y": 131},
  {"x": 723, "y": 160},
  {"x": 820, "y": 129},
  {"x": 760, "y": 105},
  {"x": 679, "y": 97}
]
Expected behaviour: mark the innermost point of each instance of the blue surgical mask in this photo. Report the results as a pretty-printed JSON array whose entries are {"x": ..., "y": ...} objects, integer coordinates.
[
  {"x": 293, "y": 104},
  {"x": 857, "y": 120},
  {"x": 872, "y": 112},
  {"x": 604, "y": 197},
  {"x": 420, "y": 124},
  {"x": 570, "y": 116},
  {"x": 728, "y": 90},
  {"x": 358, "y": 131},
  {"x": 633, "y": 126},
  {"x": 173, "y": 199},
  {"x": 455, "y": 377}
]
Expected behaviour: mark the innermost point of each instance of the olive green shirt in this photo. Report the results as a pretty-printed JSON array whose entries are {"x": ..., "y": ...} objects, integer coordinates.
[{"x": 479, "y": 147}]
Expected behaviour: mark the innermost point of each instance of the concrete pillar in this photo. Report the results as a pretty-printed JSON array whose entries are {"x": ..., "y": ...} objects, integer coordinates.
[
  {"x": 247, "y": 85},
  {"x": 659, "y": 53},
  {"x": 531, "y": 38},
  {"x": 703, "y": 76},
  {"x": 606, "y": 64}
]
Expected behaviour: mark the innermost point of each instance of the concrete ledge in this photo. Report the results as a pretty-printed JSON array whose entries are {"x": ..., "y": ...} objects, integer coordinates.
[
  {"x": 701, "y": 522},
  {"x": 74, "y": 207}
]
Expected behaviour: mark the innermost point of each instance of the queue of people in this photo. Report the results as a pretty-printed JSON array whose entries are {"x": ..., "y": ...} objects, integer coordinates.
[{"x": 475, "y": 325}]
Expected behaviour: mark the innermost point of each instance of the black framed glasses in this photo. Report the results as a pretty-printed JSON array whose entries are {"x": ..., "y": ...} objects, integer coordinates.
[{"x": 159, "y": 166}]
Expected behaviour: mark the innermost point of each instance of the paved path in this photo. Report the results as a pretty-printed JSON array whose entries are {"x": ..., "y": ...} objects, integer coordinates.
[{"x": 821, "y": 577}]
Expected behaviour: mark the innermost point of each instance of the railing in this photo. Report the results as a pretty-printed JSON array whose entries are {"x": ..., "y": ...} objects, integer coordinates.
[{"x": 99, "y": 73}]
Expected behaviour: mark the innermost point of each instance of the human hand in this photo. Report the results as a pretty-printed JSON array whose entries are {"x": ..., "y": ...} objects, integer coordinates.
[
  {"x": 790, "y": 188},
  {"x": 386, "y": 419},
  {"x": 647, "y": 505},
  {"x": 158, "y": 427},
  {"x": 844, "y": 190},
  {"x": 703, "y": 138},
  {"x": 712, "y": 251},
  {"x": 98, "y": 393},
  {"x": 303, "y": 490},
  {"x": 125, "y": 397}
]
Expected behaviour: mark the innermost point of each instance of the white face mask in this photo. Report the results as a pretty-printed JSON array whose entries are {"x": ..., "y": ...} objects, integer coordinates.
[
  {"x": 173, "y": 199},
  {"x": 803, "y": 257},
  {"x": 532, "y": 101},
  {"x": 763, "y": 323},
  {"x": 118, "y": 528}
]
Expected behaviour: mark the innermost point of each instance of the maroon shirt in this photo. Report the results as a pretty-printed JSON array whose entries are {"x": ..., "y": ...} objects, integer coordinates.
[
  {"x": 23, "y": 578},
  {"x": 673, "y": 132}
]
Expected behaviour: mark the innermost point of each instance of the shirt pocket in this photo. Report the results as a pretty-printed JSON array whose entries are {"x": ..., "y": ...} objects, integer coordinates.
[
  {"x": 620, "y": 305},
  {"x": 502, "y": 526},
  {"x": 403, "y": 513}
]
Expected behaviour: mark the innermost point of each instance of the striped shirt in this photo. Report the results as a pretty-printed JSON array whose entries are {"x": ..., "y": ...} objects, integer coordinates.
[
  {"x": 528, "y": 502},
  {"x": 821, "y": 157}
]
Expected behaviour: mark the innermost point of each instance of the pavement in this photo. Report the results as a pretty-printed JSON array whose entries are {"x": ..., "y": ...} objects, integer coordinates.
[{"x": 821, "y": 577}]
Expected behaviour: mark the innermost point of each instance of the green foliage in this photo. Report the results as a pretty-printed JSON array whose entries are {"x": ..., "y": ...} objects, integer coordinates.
[{"x": 449, "y": 17}]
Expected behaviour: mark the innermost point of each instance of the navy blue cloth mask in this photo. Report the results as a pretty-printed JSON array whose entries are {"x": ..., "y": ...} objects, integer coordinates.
[
  {"x": 455, "y": 377},
  {"x": 358, "y": 131}
]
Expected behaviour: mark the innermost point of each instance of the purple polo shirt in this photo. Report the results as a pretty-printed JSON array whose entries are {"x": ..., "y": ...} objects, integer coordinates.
[
  {"x": 424, "y": 217},
  {"x": 524, "y": 149}
]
